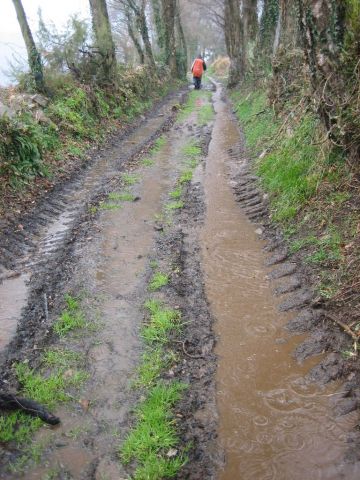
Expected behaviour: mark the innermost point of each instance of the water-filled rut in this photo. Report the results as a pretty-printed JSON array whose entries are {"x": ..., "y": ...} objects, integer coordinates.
[{"x": 272, "y": 423}]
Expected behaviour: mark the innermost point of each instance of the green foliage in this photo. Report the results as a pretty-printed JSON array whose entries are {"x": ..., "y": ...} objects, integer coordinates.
[
  {"x": 73, "y": 113},
  {"x": 290, "y": 171},
  {"x": 163, "y": 321},
  {"x": 147, "y": 162},
  {"x": 175, "y": 205},
  {"x": 121, "y": 196},
  {"x": 153, "y": 363},
  {"x": 130, "y": 179},
  {"x": 258, "y": 128},
  {"x": 22, "y": 143},
  {"x": 61, "y": 358},
  {"x": 186, "y": 176},
  {"x": 18, "y": 427},
  {"x": 158, "y": 280},
  {"x": 71, "y": 318},
  {"x": 154, "y": 435},
  {"x": 176, "y": 194}
]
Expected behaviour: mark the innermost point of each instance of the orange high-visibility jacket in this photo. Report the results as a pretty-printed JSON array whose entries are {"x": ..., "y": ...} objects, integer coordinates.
[{"x": 198, "y": 67}]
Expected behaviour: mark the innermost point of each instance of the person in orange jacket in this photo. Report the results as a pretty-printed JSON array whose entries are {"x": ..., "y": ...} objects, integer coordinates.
[{"x": 197, "y": 69}]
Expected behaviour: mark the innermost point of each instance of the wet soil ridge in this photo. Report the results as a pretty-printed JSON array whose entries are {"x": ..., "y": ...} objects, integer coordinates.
[
  {"x": 179, "y": 246},
  {"x": 37, "y": 244},
  {"x": 293, "y": 283}
]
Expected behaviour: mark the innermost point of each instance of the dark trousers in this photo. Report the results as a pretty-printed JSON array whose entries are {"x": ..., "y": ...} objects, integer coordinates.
[{"x": 197, "y": 83}]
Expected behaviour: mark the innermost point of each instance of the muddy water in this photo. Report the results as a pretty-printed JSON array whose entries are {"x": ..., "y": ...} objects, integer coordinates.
[
  {"x": 14, "y": 291},
  {"x": 273, "y": 425}
]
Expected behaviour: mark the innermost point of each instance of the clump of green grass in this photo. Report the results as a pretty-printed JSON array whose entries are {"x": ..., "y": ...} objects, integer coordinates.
[
  {"x": 61, "y": 358},
  {"x": 93, "y": 209},
  {"x": 186, "y": 176},
  {"x": 153, "y": 363},
  {"x": 163, "y": 321},
  {"x": 290, "y": 172},
  {"x": 154, "y": 435},
  {"x": 159, "y": 143},
  {"x": 147, "y": 162},
  {"x": 175, "y": 194},
  {"x": 158, "y": 280},
  {"x": 174, "y": 205},
  {"x": 192, "y": 153},
  {"x": 17, "y": 427},
  {"x": 48, "y": 390},
  {"x": 109, "y": 206},
  {"x": 130, "y": 179},
  {"x": 121, "y": 196},
  {"x": 71, "y": 318}
]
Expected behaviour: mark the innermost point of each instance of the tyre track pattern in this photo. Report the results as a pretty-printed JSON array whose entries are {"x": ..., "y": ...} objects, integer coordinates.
[{"x": 38, "y": 243}]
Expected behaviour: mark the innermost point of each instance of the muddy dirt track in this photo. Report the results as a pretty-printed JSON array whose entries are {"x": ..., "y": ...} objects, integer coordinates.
[{"x": 253, "y": 410}]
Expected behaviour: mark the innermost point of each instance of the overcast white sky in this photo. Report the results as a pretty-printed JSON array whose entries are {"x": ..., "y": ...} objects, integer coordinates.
[{"x": 11, "y": 42}]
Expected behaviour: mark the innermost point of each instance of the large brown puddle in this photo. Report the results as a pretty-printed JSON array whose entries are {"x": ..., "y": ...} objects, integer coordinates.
[{"x": 273, "y": 424}]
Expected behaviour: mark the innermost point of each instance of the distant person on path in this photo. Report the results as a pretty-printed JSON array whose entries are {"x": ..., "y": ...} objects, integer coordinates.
[{"x": 197, "y": 69}]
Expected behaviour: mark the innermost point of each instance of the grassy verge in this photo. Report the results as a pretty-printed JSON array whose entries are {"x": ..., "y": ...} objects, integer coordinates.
[
  {"x": 310, "y": 187},
  {"x": 59, "y": 376}
]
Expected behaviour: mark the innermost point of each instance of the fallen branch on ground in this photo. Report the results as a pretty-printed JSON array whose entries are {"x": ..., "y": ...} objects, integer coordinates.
[{"x": 11, "y": 402}]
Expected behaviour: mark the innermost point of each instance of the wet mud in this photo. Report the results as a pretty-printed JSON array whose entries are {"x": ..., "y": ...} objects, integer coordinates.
[{"x": 29, "y": 244}]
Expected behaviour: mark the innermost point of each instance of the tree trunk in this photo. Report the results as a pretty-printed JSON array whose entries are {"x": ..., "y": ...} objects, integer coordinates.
[
  {"x": 104, "y": 40},
  {"x": 268, "y": 26},
  {"x": 144, "y": 32},
  {"x": 34, "y": 57},
  {"x": 159, "y": 24},
  {"x": 134, "y": 38},
  {"x": 169, "y": 14},
  {"x": 182, "y": 49},
  {"x": 234, "y": 40},
  {"x": 250, "y": 20}
]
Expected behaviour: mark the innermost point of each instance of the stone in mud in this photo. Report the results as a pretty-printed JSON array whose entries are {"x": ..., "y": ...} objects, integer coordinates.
[
  {"x": 306, "y": 320},
  {"x": 282, "y": 271},
  {"x": 299, "y": 299},
  {"x": 292, "y": 284}
]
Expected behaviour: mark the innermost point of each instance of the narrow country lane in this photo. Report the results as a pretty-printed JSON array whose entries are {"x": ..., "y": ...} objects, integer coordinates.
[{"x": 151, "y": 292}]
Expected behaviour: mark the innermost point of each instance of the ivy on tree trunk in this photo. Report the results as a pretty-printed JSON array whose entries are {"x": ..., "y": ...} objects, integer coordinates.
[{"x": 34, "y": 58}]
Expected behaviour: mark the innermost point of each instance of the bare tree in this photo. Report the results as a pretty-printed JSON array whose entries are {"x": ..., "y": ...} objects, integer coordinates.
[
  {"x": 104, "y": 40},
  {"x": 169, "y": 14},
  {"x": 134, "y": 11},
  {"x": 34, "y": 58},
  {"x": 234, "y": 40}
]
